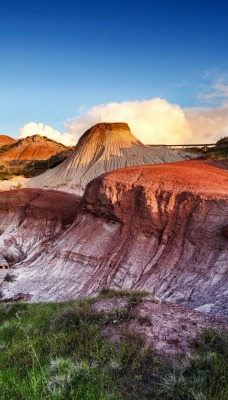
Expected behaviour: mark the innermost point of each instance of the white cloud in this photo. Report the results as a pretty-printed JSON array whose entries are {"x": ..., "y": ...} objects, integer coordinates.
[
  {"x": 217, "y": 93},
  {"x": 45, "y": 130},
  {"x": 208, "y": 124},
  {"x": 219, "y": 90},
  {"x": 153, "y": 121}
]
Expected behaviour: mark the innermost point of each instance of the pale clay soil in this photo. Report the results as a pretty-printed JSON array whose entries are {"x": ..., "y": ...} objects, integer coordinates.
[{"x": 14, "y": 183}]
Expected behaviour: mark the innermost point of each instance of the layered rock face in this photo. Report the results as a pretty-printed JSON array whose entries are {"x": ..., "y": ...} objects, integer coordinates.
[
  {"x": 34, "y": 147},
  {"x": 105, "y": 147},
  {"x": 162, "y": 228},
  {"x": 28, "y": 217}
]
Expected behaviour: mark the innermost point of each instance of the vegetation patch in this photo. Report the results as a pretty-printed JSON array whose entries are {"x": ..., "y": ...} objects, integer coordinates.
[
  {"x": 9, "y": 278},
  {"x": 107, "y": 293},
  {"x": 57, "y": 351},
  {"x": 31, "y": 173},
  {"x": 217, "y": 152},
  {"x": 5, "y": 176},
  {"x": 6, "y": 147}
]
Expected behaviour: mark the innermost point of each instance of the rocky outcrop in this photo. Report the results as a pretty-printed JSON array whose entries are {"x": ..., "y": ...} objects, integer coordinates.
[
  {"x": 159, "y": 228},
  {"x": 105, "y": 147}
]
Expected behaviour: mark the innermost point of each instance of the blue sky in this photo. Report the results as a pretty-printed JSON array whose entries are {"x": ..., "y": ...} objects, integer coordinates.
[{"x": 58, "y": 57}]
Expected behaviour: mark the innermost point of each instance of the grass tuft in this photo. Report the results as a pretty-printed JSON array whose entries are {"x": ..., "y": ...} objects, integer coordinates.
[{"x": 107, "y": 293}]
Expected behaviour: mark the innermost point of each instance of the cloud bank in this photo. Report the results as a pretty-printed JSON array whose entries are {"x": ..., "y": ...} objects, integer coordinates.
[
  {"x": 152, "y": 121},
  {"x": 208, "y": 124},
  {"x": 45, "y": 130}
]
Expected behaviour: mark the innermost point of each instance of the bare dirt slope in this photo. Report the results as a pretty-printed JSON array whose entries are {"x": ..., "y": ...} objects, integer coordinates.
[
  {"x": 165, "y": 326},
  {"x": 105, "y": 147},
  {"x": 160, "y": 227}
]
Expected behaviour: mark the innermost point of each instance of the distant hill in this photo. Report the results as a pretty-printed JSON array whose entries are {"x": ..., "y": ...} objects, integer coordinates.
[
  {"x": 34, "y": 147},
  {"x": 223, "y": 142}
]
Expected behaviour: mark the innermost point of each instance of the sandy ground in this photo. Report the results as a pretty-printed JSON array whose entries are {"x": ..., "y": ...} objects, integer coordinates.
[{"x": 14, "y": 183}]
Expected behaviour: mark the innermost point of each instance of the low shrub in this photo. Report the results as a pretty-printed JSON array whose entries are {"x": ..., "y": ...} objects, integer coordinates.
[{"x": 9, "y": 278}]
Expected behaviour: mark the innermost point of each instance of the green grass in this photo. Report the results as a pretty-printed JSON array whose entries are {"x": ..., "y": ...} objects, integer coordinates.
[
  {"x": 203, "y": 376},
  {"x": 57, "y": 351},
  {"x": 107, "y": 293}
]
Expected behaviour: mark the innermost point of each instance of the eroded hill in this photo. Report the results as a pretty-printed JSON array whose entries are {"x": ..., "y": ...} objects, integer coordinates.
[{"x": 162, "y": 228}]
